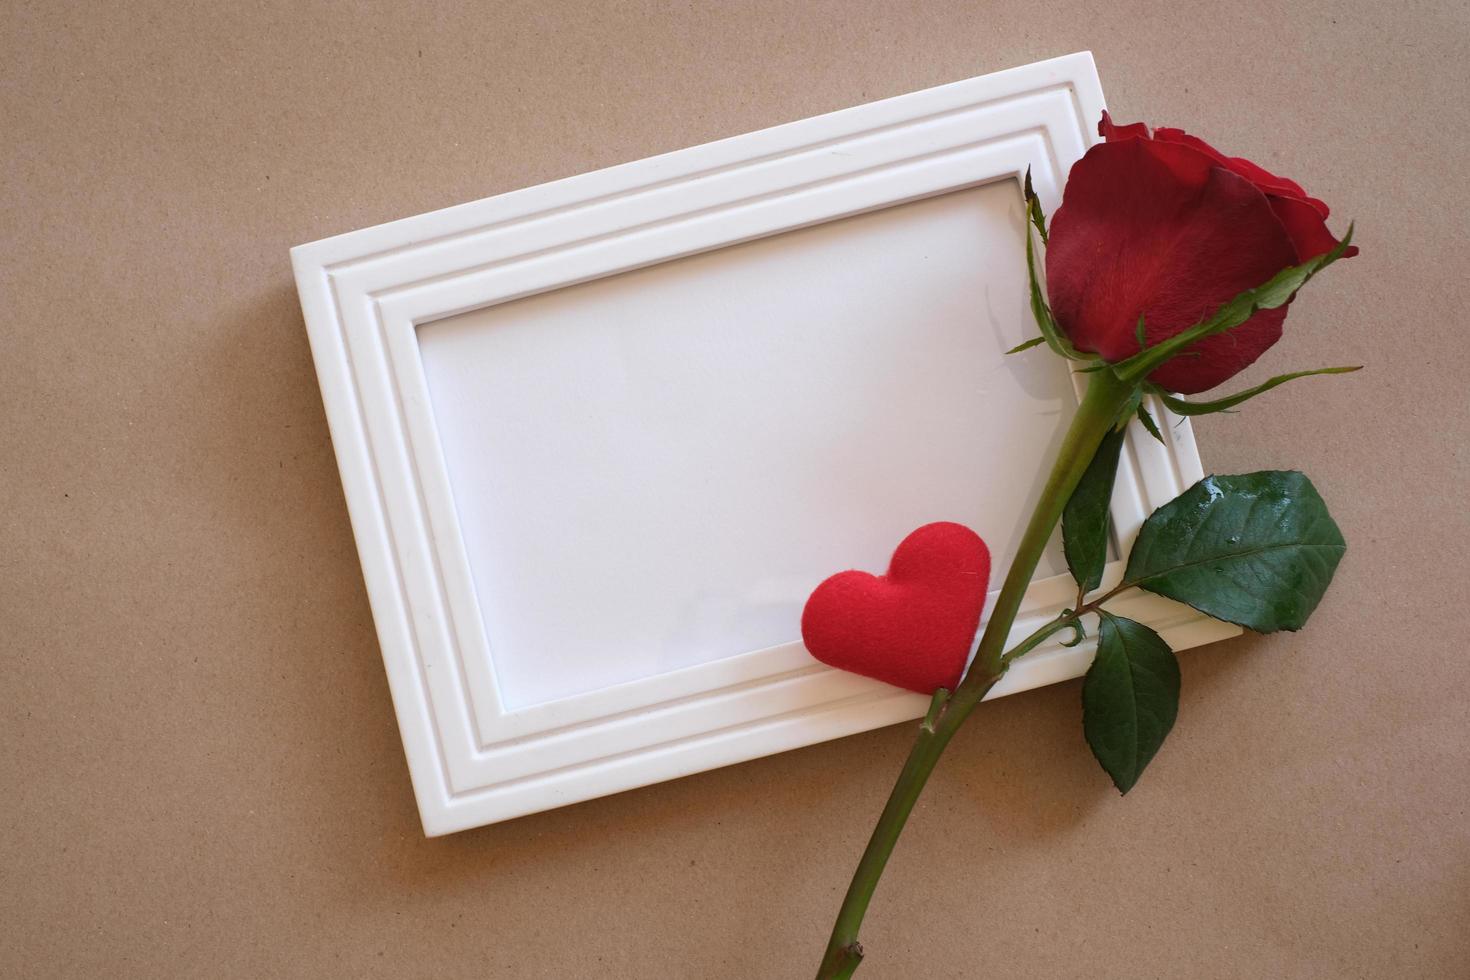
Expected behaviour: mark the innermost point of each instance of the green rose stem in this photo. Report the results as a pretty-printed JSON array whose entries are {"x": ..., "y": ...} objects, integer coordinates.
[{"x": 1106, "y": 397}]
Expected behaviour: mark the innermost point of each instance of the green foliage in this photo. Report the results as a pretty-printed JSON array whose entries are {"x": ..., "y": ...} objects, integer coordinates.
[
  {"x": 1130, "y": 698},
  {"x": 1039, "y": 310},
  {"x": 1085, "y": 518},
  {"x": 1147, "y": 419},
  {"x": 1027, "y": 345},
  {"x": 1033, "y": 208},
  {"x": 1179, "y": 406},
  {"x": 1257, "y": 550}
]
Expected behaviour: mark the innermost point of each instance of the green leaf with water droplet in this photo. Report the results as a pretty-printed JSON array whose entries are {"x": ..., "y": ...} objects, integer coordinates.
[
  {"x": 1257, "y": 550},
  {"x": 1130, "y": 698}
]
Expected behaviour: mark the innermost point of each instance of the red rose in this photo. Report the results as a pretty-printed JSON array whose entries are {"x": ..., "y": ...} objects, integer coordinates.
[{"x": 1167, "y": 227}]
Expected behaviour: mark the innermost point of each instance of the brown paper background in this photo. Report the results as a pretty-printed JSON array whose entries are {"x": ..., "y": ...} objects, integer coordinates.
[{"x": 200, "y": 773}]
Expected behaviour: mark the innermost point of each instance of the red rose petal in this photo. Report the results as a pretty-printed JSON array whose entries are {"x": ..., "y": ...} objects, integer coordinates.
[
  {"x": 1111, "y": 131},
  {"x": 1158, "y": 229},
  {"x": 1307, "y": 229},
  {"x": 1268, "y": 182}
]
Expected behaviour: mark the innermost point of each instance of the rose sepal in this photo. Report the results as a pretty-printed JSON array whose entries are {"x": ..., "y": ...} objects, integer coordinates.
[
  {"x": 1050, "y": 332},
  {"x": 1275, "y": 292},
  {"x": 1179, "y": 406}
]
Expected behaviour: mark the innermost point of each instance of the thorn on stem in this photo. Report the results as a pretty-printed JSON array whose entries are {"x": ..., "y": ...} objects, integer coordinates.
[{"x": 936, "y": 710}]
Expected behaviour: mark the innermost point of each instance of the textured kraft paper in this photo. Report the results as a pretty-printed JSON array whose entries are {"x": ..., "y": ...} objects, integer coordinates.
[{"x": 201, "y": 772}]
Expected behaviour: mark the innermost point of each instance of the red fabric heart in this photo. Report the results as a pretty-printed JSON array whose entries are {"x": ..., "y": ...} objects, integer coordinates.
[{"x": 913, "y": 626}]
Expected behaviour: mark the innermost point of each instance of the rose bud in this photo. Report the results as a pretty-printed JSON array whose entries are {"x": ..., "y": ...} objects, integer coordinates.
[{"x": 1166, "y": 227}]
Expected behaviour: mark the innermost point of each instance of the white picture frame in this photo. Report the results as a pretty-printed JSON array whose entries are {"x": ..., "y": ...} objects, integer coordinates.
[{"x": 419, "y": 360}]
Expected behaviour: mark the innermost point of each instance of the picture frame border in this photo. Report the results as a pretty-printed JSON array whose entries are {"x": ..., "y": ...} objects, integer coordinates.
[{"x": 364, "y": 295}]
